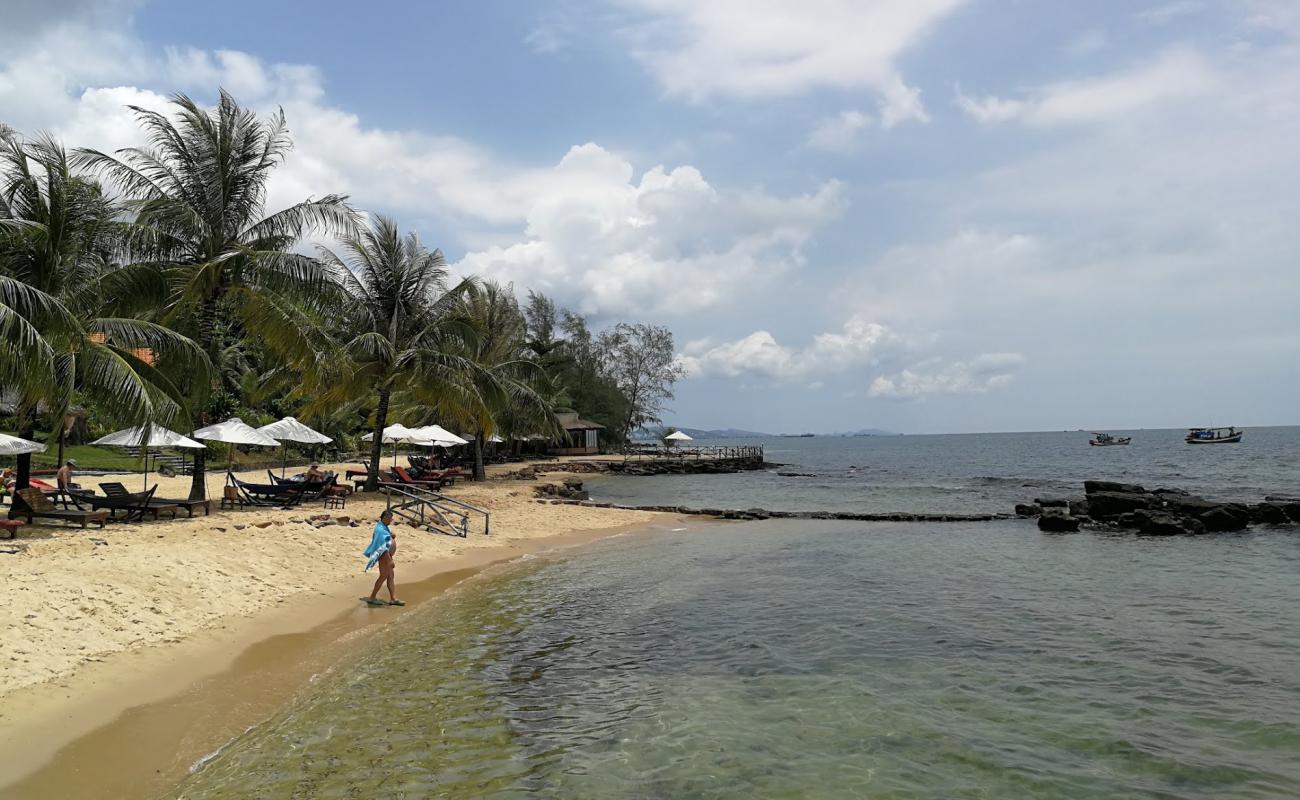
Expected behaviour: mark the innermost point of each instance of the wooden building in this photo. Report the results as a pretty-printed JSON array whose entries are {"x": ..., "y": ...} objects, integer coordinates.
[{"x": 581, "y": 437}]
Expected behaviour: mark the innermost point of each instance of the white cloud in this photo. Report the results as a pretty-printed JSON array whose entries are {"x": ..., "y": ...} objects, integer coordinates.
[
  {"x": 1087, "y": 43},
  {"x": 925, "y": 285},
  {"x": 764, "y": 48},
  {"x": 1168, "y": 12},
  {"x": 858, "y": 347},
  {"x": 592, "y": 234},
  {"x": 839, "y": 134},
  {"x": 858, "y": 343},
  {"x": 989, "y": 108},
  {"x": 1175, "y": 74},
  {"x": 604, "y": 241},
  {"x": 981, "y": 374}
]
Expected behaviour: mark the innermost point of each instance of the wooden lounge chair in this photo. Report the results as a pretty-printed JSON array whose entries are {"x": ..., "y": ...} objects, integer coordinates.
[
  {"x": 266, "y": 494},
  {"x": 400, "y": 475},
  {"x": 311, "y": 490},
  {"x": 133, "y": 506},
  {"x": 113, "y": 489},
  {"x": 32, "y": 504}
]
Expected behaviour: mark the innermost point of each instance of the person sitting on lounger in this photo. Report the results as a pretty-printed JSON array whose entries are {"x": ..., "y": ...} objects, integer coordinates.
[
  {"x": 64, "y": 476},
  {"x": 313, "y": 474}
]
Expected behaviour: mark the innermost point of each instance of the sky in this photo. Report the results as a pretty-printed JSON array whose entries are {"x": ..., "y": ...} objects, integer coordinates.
[{"x": 916, "y": 215}]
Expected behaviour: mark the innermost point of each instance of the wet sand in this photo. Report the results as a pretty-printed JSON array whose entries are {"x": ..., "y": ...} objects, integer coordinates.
[{"x": 132, "y": 716}]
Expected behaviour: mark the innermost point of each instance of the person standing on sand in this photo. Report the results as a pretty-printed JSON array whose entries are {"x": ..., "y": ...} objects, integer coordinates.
[{"x": 383, "y": 546}]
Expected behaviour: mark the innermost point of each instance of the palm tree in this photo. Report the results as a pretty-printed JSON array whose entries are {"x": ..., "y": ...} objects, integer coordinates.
[
  {"x": 510, "y": 387},
  {"x": 198, "y": 191},
  {"x": 70, "y": 308},
  {"x": 405, "y": 332}
]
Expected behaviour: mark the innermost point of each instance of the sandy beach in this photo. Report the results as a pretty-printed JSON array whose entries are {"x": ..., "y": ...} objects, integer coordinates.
[{"x": 75, "y": 609}]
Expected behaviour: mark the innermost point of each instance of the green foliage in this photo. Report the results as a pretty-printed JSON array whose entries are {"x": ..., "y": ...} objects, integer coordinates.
[{"x": 177, "y": 299}]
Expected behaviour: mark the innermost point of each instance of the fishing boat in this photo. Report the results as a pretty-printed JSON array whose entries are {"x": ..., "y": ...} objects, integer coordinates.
[
  {"x": 1213, "y": 435},
  {"x": 1108, "y": 440}
]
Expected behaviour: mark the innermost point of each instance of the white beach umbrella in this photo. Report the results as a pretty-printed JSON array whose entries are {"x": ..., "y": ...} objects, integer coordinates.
[
  {"x": 437, "y": 435},
  {"x": 151, "y": 436},
  {"x": 291, "y": 430},
  {"x": 13, "y": 446},
  {"x": 494, "y": 439},
  {"x": 234, "y": 431},
  {"x": 396, "y": 434},
  {"x": 677, "y": 436},
  {"x": 393, "y": 434}
]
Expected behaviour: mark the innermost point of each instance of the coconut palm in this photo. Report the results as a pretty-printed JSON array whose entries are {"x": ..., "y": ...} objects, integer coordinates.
[
  {"x": 405, "y": 331},
  {"x": 198, "y": 191},
  {"x": 71, "y": 307},
  {"x": 509, "y": 387}
]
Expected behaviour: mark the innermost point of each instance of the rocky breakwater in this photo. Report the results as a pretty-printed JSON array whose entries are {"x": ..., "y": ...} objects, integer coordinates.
[
  {"x": 1158, "y": 512},
  {"x": 572, "y": 493},
  {"x": 704, "y": 466}
]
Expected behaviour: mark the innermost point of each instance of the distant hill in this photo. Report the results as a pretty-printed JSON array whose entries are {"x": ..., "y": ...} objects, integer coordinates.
[
  {"x": 867, "y": 432},
  {"x": 724, "y": 433}
]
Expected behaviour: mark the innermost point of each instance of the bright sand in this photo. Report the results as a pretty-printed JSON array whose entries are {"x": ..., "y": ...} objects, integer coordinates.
[{"x": 163, "y": 602}]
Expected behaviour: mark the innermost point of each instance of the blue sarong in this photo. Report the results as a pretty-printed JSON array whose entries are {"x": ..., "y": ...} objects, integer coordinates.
[{"x": 380, "y": 542}]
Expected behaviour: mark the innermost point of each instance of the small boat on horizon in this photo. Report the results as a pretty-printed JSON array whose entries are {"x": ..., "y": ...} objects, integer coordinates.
[
  {"x": 1229, "y": 435},
  {"x": 1108, "y": 440}
]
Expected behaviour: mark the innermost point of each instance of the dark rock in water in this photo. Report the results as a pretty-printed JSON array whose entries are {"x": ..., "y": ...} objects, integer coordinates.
[
  {"x": 1058, "y": 523},
  {"x": 1225, "y": 518},
  {"x": 1093, "y": 487},
  {"x": 758, "y": 513},
  {"x": 1270, "y": 514},
  {"x": 1187, "y": 504},
  {"x": 1133, "y": 519},
  {"x": 1293, "y": 510},
  {"x": 573, "y": 483},
  {"x": 1171, "y": 525},
  {"x": 796, "y": 475},
  {"x": 1106, "y": 505},
  {"x": 1079, "y": 508},
  {"x": 1052, "y": 502},
  {"x": 1028, "y": 510}
]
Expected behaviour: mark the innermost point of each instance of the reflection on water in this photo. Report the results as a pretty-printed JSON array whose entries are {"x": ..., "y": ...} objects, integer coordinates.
[{"x": 827, "y": 660}]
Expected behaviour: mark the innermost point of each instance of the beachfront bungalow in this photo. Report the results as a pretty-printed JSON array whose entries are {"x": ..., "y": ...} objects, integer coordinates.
[{"x": 581, "y": 437}]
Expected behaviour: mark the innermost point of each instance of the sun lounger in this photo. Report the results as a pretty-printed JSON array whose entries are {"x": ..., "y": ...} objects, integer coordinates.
[
  {"x": 9, "y": 528},
  {"x": 267, "y": 494},
  {"x": 133, "y": 506},
  {"x": 434, "y": 480},
  {"x": 32, "y": 504},
  {"x": 113, "y": 489}
]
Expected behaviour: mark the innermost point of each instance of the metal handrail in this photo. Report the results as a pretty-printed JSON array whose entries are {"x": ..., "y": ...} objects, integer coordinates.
[{"x": 432, "y": 502}]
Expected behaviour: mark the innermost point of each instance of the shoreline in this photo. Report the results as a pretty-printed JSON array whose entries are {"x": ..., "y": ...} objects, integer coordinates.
[
  {"x": 97, "y": 625},
  {"x": 135, "y": 723}
]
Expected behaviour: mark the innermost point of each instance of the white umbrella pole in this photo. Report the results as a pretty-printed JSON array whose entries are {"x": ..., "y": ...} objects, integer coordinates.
[
  {"x": 145, "y": 451},
  {"x": 284, "y": 457}
]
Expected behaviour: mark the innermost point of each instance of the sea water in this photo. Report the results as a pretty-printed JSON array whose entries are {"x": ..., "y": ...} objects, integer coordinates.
[
  {"x": 972, "y": 473},
  {"x": 825, "y": 660}
]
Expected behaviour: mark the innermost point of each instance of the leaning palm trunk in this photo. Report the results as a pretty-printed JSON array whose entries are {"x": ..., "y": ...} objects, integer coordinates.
[{"x": 377, "y": 446}]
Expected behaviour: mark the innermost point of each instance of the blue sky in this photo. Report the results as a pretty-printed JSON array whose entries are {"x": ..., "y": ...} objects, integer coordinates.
[{"x": 922, "y": 215}]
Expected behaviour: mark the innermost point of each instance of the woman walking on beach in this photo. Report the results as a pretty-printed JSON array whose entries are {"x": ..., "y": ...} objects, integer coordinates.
[{"x": 383, "y": 546}]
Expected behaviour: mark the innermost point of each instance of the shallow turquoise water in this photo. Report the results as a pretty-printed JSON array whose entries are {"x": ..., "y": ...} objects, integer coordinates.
[{"x": 824, "y": 660}]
